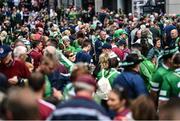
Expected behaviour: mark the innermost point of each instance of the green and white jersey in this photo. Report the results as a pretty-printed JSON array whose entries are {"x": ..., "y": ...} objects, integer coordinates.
[
  {"x": 157, "y": 78},
  {"x": 171, "y": 86}
]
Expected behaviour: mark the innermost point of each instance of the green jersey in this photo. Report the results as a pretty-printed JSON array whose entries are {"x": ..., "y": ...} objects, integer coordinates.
[
  {"x": 110, "y": 74},
  {"x": 77, "y": 46},
  {"x": 177, "y": 41},
  {"x": 147, "y": 69},
  {"x": 157, "y": 78},
  {"x": 66, "y": 62},
  {"x": 71, "y": 48},
  {"x": 171, "y": 86},
  {"x": 72, "y": 15},
  {"x": 48, "y": 88}
]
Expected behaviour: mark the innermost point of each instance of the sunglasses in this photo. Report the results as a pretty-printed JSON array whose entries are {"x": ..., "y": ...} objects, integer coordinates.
[{"x": 71, "y": 55}]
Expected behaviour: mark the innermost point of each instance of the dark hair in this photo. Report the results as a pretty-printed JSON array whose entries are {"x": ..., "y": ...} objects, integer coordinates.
[
  {"x": 122, "y": 94},
  {"x": 137, "y": 46},
  {"x": 36, "y": 81},
  {"x": 145, "y": 46},
  {"x": 113, "y": 62},
  {"x": 35, "y": 43},
  {"x": 155, "y": 40},
  {"x": 86, "y": 43},
  {"x": 133, "y": 57},
  {"x": 67, "y": 53},
  {"x": 143, "y": 108},
  {"x": 80, "y": 34},
  {"x": 53, "y": 42}
]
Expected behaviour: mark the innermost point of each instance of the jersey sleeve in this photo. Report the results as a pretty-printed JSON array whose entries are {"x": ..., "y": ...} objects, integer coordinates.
[
  {"x": 146, "y": 74},
  {"x": 155, "y": 82},
  {"x": 165, "y": 90}
]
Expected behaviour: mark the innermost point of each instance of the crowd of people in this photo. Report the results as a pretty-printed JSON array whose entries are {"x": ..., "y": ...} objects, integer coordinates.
[{"x": 75, "y": 64}]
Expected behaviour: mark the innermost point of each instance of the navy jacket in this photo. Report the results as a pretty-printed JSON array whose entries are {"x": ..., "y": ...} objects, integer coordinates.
[
  {"x": 58, "y": 80},
  {"x": 132, "y": 82},
  {"x": 79, "y": 108},
  {"x": 83, "y": 57}
]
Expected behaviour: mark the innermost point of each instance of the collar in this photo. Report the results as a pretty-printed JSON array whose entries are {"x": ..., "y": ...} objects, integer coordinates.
[
  {"x": 164, "y": 66},
  {"x": 114, "y": 46},
  {"x": 123, "y": 112}
]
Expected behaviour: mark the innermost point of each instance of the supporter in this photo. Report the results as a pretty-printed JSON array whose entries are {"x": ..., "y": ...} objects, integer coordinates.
[
  {"x": 155, "y": 30},
  {"x": 143, "y": 108},
  {"x": 108, "y": 67},
  {"x": 70, "y": 55},
  {"x": 170, "y": 111},
  {"x": 147, "y": 67},
  {"x": 67, "y": 45},
  {"x": 170, "y": 83},
  {"x": 37, "y": 84},
  {"x": 131, "y": 51},
  {"x": 36, "y": 53},
  {"x": 167, "y": 29},
  {"x": 107, "y": 48},
  {"x": 78, "y": 70},
  {"x": 21, "y": 105},
  {"x": 119, "y": 102},
  {"x": 119, "y": 52},
  {"x": 174, "y": 38},
  {"x": 130, "y": 79},
  {"x": 123, "y": 47},
  {"x": 20, "y": 52},
  {"x": 15, "y": 70},
  {"x": 84, "y": 56},
  {"x": 158, "y": 77},
  {"x": 82, "y": 104},
  {"x": 99, "y": 43},
  {"x": 77, "y": 43},
  {"x": 58, "y": 74},
  {"x": 156, "y": 50},
  {"x": 106, "y": 75}
]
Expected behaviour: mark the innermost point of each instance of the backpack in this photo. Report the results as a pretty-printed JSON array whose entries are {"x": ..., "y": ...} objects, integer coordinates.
[{"x": 104, "y": 86}]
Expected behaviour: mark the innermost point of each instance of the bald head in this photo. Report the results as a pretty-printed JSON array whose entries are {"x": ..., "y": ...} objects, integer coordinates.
[
  {"x": 103, "y": 35},
  {"x": 53, "y": 51},
  {"x": 50, "y": 49},
  {"x": 174, "y": 33}
]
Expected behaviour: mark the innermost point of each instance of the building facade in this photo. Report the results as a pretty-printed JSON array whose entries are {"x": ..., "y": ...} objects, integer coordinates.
[
  {"x": 173, "y": 7},
  {"x": 128, "y": 6}
]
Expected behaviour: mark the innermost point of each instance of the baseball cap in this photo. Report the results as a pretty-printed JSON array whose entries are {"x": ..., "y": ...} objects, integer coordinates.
[
  {"x": 122, "y": 42},
  {"x": 4, "y": 51},
  {"x": 107, "y": 46}
]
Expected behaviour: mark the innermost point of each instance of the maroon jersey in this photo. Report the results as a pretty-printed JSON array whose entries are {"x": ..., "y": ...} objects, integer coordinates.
[
  {"x": 18, "y": 68},
  {"x": 45, "y": 109},
  {"x": 118, "y": 52},
  {"x": 36, "y": 56}
]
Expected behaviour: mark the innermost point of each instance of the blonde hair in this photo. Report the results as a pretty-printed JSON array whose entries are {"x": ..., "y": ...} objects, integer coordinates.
[{"x": 104, "y": 60}]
